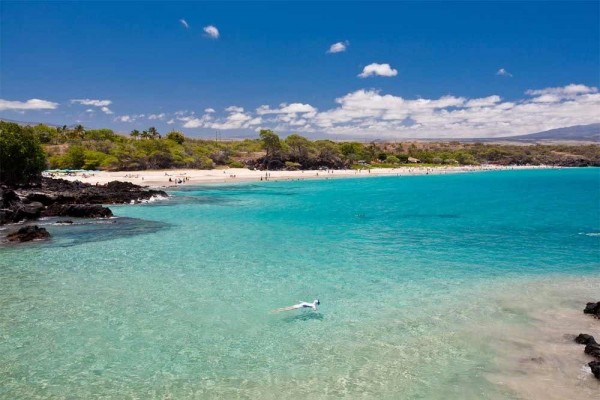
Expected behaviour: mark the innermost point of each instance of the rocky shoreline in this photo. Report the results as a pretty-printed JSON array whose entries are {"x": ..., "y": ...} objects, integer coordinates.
[
  {"x": 591, "y": 346},
  {"x": 62, "y": 198}
]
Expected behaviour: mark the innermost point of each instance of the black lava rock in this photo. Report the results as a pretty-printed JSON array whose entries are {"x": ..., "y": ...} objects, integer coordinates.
[{"x": 28, "y": 233}]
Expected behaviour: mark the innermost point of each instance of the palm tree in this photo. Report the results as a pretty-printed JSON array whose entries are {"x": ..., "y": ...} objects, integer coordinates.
[
  {"x": 135, "y": 134},
  {"x": 153, "y": 132},
  {"x": 79, "y": 131},
  {"x": 144, "y": 135}
]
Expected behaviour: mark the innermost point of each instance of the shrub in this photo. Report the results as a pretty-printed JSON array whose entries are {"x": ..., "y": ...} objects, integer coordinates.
[
  {"x": 236, "y": 164},
  {"x": 22, "y": 158}
]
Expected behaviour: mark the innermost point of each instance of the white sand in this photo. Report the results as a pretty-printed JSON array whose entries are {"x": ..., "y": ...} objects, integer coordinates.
[{"x": 160, "y": 178}]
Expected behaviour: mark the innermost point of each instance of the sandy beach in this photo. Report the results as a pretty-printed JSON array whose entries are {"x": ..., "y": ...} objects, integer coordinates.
[{"x": 174, "y": 177}]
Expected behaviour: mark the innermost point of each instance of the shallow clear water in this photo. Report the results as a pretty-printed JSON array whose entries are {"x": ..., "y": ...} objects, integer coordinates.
[{"x": 172, "y": 299}]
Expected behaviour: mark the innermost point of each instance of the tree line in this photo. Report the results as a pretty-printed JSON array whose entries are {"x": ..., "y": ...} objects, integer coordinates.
[{"x": 33, "y": 148}]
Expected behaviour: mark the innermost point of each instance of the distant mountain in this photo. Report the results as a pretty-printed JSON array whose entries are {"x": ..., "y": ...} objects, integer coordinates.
[
  {"x": 23, "y": 123},
  {"x": 589, "y": 133}
]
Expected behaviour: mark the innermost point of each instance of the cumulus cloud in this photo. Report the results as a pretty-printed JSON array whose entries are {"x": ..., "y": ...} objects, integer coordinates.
[
  {"x": 184, "y": 23},
  {"x": 160, "y": 116},
  {"x": 503, "y": 72},
  {"x": 338, "y": 47},
  {"x": 92, "y": 102},
  {"x": 101, "y": 104},
  {"x": 31, "y": 104},
  {"x": 564, "y": 91},
  {"x": 483, "y": 102},
  {"x": 209, "y": 110},
  {"x": 129, "y": 118},
  {"x": 378, "y": 70},
  {"x": 211, "y": 31},
  {"x": 371, "y": 113},
  {"x": 286, "y": 109},
  {"x": 234, "y": 109}
]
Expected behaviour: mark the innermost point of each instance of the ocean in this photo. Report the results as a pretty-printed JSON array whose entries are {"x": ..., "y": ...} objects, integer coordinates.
[{"x": 461, "y": 286}]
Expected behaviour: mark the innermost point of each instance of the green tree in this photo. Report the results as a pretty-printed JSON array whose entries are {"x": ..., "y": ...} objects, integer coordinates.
[
  {"x": 392, "y": 160},
  {"x": 153, "y": 133},
  {"x": 79, "y": 131},
  {"x": 22, "y": 158},
  {"x": 100, "y": 134},
  {"x": 45, "y": 133},
  {"x": 176, "y": 137},
  {"x": 135, "y": 134},
  {"x": 75, "y": 157},
  {"x": 299, "y": 148},
  {"x": 270, "y": 142}
]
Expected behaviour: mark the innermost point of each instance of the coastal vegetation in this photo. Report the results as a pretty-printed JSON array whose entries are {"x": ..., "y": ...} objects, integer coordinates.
[
  {"x": 93, "y": 149},
  {"x": 22, "y": 158}
]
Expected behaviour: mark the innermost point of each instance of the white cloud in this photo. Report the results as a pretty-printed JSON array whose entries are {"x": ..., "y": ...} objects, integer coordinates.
[
  {"x": 31, "y": 104},
  {"x": 92, "y": 102},
  {"x": 171, "y": 121},
  {"x": 102, "y": 104},
  {"x": 129, "y": 118},
  {"x": 209, "y": 110},
  {"x": 378, "y": 70},
  {"x": 564, "y": 91},
  {"x": 89, "y": 110},
  {"x": 338, "y": 47},
  {"x": 503, "y": 72},
  {"x": 184, "y": 23},
  {"x": 483, "y": 102},
  {"x": 195, "y": 122},
  {"x": 160, "y": 116},
  {"x": 370, "y": 113},
  {"x": 234, "y": 109},
  {"x": 211, "y": 31},
  {"x": 286, "y": 109}
]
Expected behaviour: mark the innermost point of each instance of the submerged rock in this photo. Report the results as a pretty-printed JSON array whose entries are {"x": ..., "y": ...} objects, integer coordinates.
[
  {"x": 592, "y": 308},
  {"x": 78, "y": 211},
  {"x": 593, "y": 349},
  {"x": 28, "y": 233},
  {"x": 64, "y": 221},
  {"x": 595, "y": 367},
  {"x": 584, "y": 338}
]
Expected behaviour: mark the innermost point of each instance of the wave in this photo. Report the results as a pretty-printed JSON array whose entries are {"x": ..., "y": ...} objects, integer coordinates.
[
  {"x": 152, "y": 199},
  {"x": 592, "y": 234}
]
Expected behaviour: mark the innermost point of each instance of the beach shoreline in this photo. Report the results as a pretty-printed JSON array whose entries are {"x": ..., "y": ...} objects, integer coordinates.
[{"x": 176, "y": 177}]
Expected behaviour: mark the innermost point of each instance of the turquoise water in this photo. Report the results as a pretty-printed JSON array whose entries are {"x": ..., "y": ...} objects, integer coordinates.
[{"x": 172, "y": 299}]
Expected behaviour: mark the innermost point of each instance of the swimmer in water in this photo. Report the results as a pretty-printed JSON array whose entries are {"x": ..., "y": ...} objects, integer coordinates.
[{"x": 300, "y": 305}]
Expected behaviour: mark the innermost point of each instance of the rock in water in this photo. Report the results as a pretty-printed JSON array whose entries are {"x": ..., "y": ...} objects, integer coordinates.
[
  {"x": 28, "y": 233},
  {"x": 593, "y": 349},
  {"x": 584, "y": 338},
  {"x": 595, "y": 367},
  {"x": 593, "y": 308},
  {"x": 77, "y": 210}
]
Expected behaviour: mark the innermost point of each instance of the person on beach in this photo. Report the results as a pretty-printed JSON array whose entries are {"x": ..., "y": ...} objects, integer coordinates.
[{"x": 300, "y": 305}]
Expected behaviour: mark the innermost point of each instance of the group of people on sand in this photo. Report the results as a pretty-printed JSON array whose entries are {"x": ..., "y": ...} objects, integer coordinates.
[{"x": 179, "y": 181}]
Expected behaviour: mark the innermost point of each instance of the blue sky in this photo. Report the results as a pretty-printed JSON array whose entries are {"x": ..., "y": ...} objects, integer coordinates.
[{"x": 429, "y": 69}]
